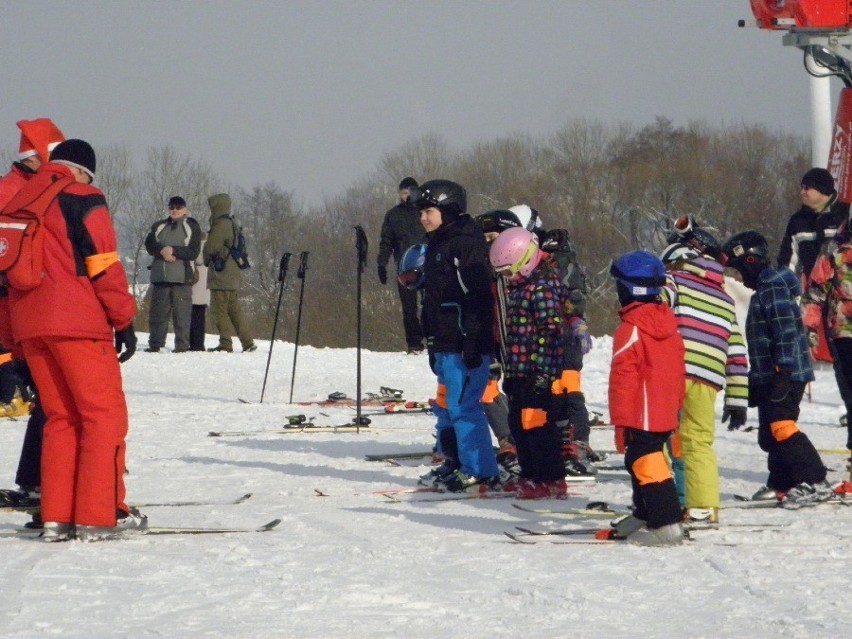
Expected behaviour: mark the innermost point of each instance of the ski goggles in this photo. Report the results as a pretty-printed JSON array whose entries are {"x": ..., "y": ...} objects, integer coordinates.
[
  {"x": 411, "y": 279},
  {"x": 514, "y": 269}
]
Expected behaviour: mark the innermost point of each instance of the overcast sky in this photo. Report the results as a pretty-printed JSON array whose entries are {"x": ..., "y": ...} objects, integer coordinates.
[{"x": 311, "y": 93}]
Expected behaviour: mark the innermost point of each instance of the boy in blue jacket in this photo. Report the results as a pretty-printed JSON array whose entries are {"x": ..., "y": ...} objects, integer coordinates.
[{"x": 780, "y": 370}]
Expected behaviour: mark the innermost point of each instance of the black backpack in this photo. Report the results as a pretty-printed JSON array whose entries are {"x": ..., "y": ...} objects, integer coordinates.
[
  {"x": 572, "y": 275},
  {"x": 239, "y": 251}
]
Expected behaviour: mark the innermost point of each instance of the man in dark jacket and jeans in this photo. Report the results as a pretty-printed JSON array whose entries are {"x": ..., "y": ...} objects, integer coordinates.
[
  {"x": 807, "y": 231},
  {"x": 401, "y": 229},
  {"x": 174, "y": 243}
]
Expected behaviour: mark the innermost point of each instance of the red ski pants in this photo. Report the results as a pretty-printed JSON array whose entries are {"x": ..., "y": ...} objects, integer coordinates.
[{"x": 82, "y": 462}]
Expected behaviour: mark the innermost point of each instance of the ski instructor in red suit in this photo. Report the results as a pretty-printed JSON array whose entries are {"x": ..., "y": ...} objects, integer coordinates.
[{"x": 67, "y": 325}]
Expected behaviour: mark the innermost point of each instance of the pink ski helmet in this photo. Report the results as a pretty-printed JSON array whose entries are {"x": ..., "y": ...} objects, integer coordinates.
[{"x": 516, "y": 251}]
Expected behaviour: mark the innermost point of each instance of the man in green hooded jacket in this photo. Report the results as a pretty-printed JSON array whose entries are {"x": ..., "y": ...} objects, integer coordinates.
[{"x": 224, "y": 276}]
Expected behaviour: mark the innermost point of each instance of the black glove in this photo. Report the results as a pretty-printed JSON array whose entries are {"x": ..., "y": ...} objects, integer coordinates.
[
  {"x": 495, "y": 371},
  {"x": 555, "y": 239},
  {"x": 540, "y": 384},
  {"x": 471, "y": 357},
  {"x": 125, "y": 339},
  {"x": 432, "y": 360},
  {"x": 383, "y": 274},
  {"x": 780, "y": 385},
  {"x": 737, "y": 415}
]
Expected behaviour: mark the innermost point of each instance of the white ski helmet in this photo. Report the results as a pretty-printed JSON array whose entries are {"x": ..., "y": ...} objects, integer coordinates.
[
  {"x": 527, "y": 215},
  {"x": 515, "y": 250}
]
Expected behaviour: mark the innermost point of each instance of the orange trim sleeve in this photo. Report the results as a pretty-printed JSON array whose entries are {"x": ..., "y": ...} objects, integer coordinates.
[
  {"x": 783, "y": 430},
  {"x": 97, "y": 264},
  {"x": 492, "y": 391},
  {"x": 5, "y": 357},
  {"x": 651, "y": 469},
  {"x": 533, "y": 418},
  {"x": 569, "y": 382},
  {"x": 441, "y": 396}
]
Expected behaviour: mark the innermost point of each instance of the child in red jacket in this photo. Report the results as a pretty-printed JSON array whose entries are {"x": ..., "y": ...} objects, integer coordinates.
[{"x": 646, "y": 389}]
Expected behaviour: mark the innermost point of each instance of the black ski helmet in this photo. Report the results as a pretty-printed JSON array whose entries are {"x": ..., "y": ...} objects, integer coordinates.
[
  {"x": 410, "y": 273},
  {"x": 704, "y": 241},
  {"x": 687, "y": 231},
  {"x": 448, "y": 197},
  {"x": 497, "y": 221},
  {"x": 748, "y": 253}
]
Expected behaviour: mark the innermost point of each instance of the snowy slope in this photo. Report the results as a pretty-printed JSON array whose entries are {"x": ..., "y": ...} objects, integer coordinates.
[{"x": 361, "y": 566}]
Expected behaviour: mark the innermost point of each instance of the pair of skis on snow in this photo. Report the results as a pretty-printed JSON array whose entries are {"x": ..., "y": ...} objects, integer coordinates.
[
  {"x": 353, "y": 426},
  {"x": 160, "y": 530},
  {"x": 523, "y": 535}
]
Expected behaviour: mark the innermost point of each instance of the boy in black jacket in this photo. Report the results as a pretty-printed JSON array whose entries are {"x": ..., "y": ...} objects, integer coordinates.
[{"x": 458, "y": 316}]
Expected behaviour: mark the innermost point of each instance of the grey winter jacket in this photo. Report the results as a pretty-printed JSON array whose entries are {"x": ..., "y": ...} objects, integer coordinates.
[{"x": 184, "y": 236}]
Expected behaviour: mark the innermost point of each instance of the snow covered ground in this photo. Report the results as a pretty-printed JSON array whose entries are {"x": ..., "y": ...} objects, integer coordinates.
[{"x": 359, "y": 565}]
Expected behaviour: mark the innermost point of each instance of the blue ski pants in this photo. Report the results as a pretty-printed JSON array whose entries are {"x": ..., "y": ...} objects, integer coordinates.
[{"x": 464, "y": 413}]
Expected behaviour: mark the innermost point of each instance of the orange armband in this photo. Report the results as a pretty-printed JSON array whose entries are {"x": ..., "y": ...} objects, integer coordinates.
[{"x": 97, "y": 264}]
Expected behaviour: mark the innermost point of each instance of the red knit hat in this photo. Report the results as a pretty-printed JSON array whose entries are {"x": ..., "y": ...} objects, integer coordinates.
[{"x": 38, "y": 137}]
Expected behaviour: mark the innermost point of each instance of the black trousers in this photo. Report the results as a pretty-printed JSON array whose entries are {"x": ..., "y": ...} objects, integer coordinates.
[
  {"x": 569, "y": 409},
  {"x": 410, "y": 318},
  {"x": 654, "y": 502},
  {"x": 538, "y": 448},
  {"x": 841, "y": 350},
  {"x": 794, "y": 459},
  {"x": 197, "y": 320},
  {"x": 29, "y": 466}
]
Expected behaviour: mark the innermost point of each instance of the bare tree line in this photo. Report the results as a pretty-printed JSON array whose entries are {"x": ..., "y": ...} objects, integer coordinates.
[{"x": 614, "y": 187}]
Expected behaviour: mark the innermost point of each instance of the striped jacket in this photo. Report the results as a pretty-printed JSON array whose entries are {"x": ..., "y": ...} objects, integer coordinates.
[{"x": 707, "y": 321}]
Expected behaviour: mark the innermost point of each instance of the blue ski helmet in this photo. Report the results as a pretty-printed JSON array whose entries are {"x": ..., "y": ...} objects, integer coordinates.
[
  {"x": 641, "y": 273},
  {"x": 410, "y": 270}
]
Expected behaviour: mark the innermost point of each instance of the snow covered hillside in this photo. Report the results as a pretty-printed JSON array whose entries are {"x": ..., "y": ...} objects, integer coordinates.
[{"x": 356, "y": 564}]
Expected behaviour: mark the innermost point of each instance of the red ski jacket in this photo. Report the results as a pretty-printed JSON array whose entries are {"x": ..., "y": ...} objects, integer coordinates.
[
  {"x": 10, "y": 184},
  {"x": 647, "y": 379},
  {"x": 84, "y": 292}
]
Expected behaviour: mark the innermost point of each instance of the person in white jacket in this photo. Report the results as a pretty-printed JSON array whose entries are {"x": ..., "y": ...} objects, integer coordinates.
[{"x": 200, "y": 302}]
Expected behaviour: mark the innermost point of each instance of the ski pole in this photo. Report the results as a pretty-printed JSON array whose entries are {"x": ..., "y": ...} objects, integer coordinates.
[
  {"x": 361, "y": 247},
  {"x": 282, "y": 279},
  {"x": 303, "y": 267}
]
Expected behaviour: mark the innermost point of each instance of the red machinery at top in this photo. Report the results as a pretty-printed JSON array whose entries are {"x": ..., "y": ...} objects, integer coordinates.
[
  {"x": 822, "y": 29},
  {"x": 808, "y": 14}
]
